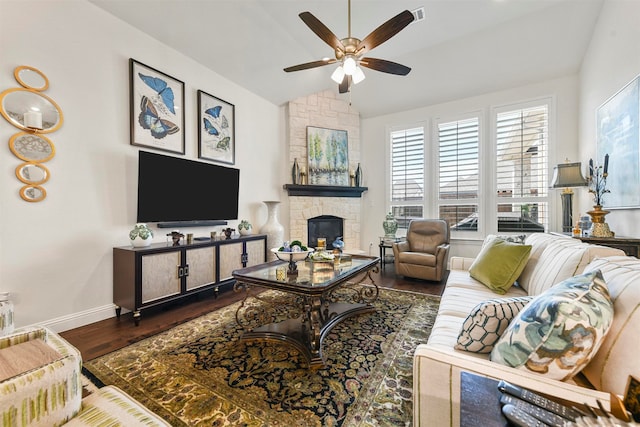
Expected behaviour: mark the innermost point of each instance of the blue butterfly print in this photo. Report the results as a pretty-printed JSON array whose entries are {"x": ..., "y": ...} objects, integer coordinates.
[
  {"x": 215, "y": 111},
  {"x": 163, "y": 90},
  {"x": 149, "y": 119},
  {"x": 211, "y": 130}
]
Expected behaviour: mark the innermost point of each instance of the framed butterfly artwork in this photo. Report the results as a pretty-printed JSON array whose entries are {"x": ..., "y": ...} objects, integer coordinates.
[
  {"x": 157, "y": 109},
  {"x": 216, "y": 129}
]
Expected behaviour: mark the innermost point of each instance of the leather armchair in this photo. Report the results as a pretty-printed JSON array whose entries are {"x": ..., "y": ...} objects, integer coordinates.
[{"x": 424, "y": 254}]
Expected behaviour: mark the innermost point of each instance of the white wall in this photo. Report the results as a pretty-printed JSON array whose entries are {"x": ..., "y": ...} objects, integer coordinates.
[
  {"x": 56, "y": 256},
  {"x": 612, "y": 61},
  {"x": 564, "y": 92}
]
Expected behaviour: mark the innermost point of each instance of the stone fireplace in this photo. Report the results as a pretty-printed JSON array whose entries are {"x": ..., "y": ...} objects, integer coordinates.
[{"x": 327, "y": 110}]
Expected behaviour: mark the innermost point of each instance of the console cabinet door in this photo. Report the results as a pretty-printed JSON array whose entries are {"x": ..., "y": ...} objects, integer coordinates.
[
  {"x": 160, "y": 276},
  {"x": 255, "y": 252},
  {"x": 230, "y": 259},
  {"x": 202, "y": 267}
]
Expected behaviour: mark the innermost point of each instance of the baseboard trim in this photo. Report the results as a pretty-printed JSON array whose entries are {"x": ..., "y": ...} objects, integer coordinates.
[{"x": 82, "y": 318}]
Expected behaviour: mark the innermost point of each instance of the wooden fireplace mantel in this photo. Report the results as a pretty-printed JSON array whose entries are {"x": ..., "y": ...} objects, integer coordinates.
[{"x": 324, "y": 190}]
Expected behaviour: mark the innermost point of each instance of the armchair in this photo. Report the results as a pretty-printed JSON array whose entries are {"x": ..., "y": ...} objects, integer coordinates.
[{"x": 424, "y": 254}]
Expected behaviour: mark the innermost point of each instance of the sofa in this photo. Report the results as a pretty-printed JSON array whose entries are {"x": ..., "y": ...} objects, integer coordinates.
[
  {"x": 40, "y": 385},
  {"x": 552, "y": 259}
]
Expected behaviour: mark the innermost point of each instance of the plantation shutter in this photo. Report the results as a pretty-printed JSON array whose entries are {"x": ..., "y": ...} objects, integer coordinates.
[
  {"x": 458, "y": 173},
  {"x": 522, "y": 140},
  {"x": 407, "y": 174}
]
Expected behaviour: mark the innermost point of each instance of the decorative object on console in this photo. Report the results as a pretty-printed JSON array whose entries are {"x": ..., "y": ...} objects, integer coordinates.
[
  {"x": 216, "y": 129},
  {"x": 156, "y": 108},
  {"x": 272, "y": 228},
  {"x": 328, "y": 156},
  {"x": 559, "y": 332},
  {"x": 28, "y": 109},
  {"x": 295, "y": 173},
  {"x": 598, "y": 187},
  {"x": 141, "y": 235},
  {"x": 228, "y": 232},
  {"x": 567, "y": 175},
  {"x": 244, "y": 228},
  {"x": 390, "y": 225},
  {"x": 338, "y": 244},
  {"x": 175, "y": 237},
  {"x": 618, "y": 133}
]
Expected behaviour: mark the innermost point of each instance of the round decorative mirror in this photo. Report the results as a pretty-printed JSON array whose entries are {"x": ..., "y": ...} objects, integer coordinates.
[
  {"x": 30, "y": 110},
  {"x": 31, "y": 78},
  {"x": 31, "y": 147},
  {"x": 33, "y": 193},
  {"x": 32, "y": 173}
]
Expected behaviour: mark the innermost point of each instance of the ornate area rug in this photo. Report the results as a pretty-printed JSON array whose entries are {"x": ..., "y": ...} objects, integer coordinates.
[{"x": 200, "y": 373}]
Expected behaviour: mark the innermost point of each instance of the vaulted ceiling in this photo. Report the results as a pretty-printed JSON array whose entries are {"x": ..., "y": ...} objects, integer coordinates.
[{"x": 462, "y": 48}]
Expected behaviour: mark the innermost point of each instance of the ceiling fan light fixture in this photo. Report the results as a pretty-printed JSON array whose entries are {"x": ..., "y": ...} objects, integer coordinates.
[
  {"x": 349, "y": 65},
  {"x": 338, "y": 74},
  {"x": 358, "y": 76}
]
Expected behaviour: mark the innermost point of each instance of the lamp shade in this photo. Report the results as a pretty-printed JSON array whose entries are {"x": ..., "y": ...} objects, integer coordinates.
[
  {"x": 358, "y": 76},
  {"x": 338, "y": 74},
  {"x": 568, "y": 175}
]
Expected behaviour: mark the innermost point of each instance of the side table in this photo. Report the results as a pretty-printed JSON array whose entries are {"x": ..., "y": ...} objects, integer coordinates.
[
  {"x": 630, "y": 245},
  {"x": 387, "y": 243}
]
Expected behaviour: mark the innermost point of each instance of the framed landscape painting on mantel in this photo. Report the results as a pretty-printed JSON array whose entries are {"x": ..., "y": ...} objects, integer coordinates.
[
  {"x": 216, "y": 129},
  {"x": 156, "y": 108},
  {"x": 328, "y": 156},
  {"x": 618, "y": 134}
]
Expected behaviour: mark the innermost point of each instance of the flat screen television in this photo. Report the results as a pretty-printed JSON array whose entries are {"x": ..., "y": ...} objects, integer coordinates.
[{"x": 173, "y": 190}]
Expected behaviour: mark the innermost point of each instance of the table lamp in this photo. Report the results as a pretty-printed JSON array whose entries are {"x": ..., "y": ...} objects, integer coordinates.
[{"x": 567, "y": 175}]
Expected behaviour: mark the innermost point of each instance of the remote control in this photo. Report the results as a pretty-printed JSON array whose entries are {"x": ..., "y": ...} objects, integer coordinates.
[
  {"x": 520, "y": 418},
  {"x": 533, "y": 410},
  {"x": 531, "y": 397}
]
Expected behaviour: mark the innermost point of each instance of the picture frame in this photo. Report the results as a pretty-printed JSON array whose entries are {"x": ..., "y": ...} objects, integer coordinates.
[
  {"x": 156, "y": 108},
  {"x": 216, "y": 129},
  {"x": 618, "y": 134},
  {"x": 327, "y": 156}
]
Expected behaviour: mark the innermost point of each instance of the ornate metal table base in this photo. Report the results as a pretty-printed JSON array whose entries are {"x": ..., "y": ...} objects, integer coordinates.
[{"x": 311, "y": 314}]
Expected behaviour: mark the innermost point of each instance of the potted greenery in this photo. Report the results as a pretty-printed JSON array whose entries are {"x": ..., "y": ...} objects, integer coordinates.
[{"x": 244, "y": 228}]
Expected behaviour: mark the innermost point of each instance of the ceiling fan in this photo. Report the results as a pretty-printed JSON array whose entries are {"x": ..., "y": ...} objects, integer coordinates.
[{"x": 350, "y": 50}]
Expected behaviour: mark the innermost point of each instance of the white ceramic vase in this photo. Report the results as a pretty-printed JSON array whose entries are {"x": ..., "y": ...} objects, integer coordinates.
[
  {"x": 141, "y": 235},
  {"x": 272, "y": 228}
]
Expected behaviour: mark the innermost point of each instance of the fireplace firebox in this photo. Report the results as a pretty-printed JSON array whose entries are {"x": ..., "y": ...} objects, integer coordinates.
[{"x": 327, "y": 226}]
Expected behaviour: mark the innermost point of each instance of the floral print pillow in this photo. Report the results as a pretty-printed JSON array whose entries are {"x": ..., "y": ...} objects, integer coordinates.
[{"x": 559, "y": 332}]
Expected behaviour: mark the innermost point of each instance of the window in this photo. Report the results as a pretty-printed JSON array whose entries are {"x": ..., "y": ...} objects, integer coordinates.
[
  {"x": 458, "y": 173},
  {"x": 521, "y": 172},
  {"x": 407, "y": 175}
]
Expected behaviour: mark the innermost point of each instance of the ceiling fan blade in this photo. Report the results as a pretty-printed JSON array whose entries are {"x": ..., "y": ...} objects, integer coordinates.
[
  {"x": 309, "y": 65},
  {"x": 385, "y": 31},
  {"x": 385, "y": 66},
  {"x": 321, "y": 30},
  {"x": 343, "y": 87}
]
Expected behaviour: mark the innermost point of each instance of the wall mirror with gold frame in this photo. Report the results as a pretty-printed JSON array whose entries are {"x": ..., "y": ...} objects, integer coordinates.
[
  {"x": 32, "y": 173},
  {"x": 30, "y": 110},
  {"x": 33, "y": 193},
  {"x": 32, "y": 147},
  {"x": 31, "y": 78}
]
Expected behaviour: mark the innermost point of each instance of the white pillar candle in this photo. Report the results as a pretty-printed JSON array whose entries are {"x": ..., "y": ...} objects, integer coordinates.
[{"x": 33, "y": 119}]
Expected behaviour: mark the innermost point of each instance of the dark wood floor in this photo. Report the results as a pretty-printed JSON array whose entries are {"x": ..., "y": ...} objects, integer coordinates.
[{"x": 103, "y": 337}]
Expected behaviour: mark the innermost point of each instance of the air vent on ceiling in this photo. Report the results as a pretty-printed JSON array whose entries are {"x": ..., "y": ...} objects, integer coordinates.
[{"x": 418, "y": 14}]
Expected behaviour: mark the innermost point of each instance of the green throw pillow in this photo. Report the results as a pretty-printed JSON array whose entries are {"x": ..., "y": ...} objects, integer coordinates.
[{"x": 499, "y": 264}]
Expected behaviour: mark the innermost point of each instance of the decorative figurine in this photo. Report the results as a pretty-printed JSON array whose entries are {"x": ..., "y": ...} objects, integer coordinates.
[{"x": 228, "y": 232}]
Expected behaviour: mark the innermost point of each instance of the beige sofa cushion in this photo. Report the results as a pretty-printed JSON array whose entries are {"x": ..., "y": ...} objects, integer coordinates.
[
  {"x": 538, "y": 242},
  {"x": 617, "y": 357}
]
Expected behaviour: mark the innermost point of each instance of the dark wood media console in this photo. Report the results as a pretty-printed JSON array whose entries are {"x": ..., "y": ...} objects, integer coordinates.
[{"x": 161, "y": 273}]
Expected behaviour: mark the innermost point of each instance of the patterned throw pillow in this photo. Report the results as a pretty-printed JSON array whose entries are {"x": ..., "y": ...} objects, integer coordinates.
[
  {"x": 558, "y": 332},
  {"x": 511, "y": 238},
  {"x": 487, "y": 321}
]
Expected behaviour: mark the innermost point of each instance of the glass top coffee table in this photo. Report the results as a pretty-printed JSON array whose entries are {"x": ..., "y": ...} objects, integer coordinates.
[{"x": 319, "y": 297}]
